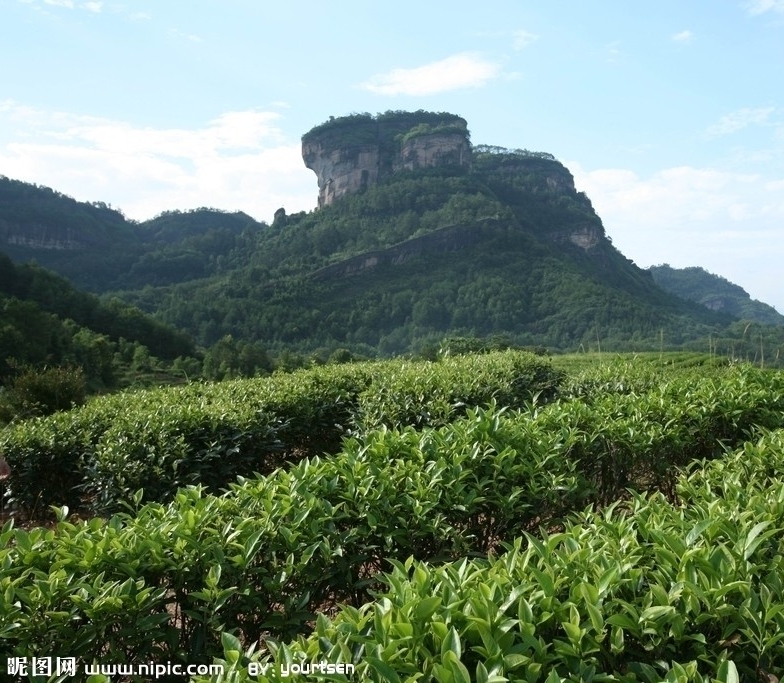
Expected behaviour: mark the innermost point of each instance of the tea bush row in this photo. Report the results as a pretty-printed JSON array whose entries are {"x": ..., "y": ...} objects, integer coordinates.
[
  {"x": 266, "y": 556},
  {"x": 641, "y": 592},
  {"x": 627, "y": 373},
  {"x": 260, "y": 559},
  {"x": 100, "y": 454}
]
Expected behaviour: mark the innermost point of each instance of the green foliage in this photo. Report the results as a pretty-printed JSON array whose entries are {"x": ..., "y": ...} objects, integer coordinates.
[
  {"x": 47, "y": 462},
  {"x": 645, "y": 591},
  {"x": 93, "y": 242},
  {"x": 382, "y": 129},
  {"x": 508, "y": 156},
  {"x": 46, "y": 320},
  {"x": 422, "y": 129},
  {"x": 33, "y": 339},
  {"x": 163, "y": 439},
  {"x": 632, "y": 590},
  {"x": 42, "y": 392},
  {"x": 27, "y": 334},
  {"x": 422, "y": 393},
  {"x": 227, "y": 359},
  {"x": 53, "y": 215}
]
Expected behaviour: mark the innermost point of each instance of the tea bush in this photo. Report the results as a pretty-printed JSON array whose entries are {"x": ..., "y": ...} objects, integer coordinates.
[
  {"x": 42, "y": 391},
  {"x": 97, "y": 456},
  {"x": 267, "y": 556},
  {"x": 425, "y": 393},
  {"x": 645, "y": 591}
]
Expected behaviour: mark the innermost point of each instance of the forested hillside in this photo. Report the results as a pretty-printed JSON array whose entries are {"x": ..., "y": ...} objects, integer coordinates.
[
  {"x": 508, "y": 248},
  {"x": 417, "y": 246},
  {"x": 714, "y": 292},
  {"x": 57, "y": 343}
]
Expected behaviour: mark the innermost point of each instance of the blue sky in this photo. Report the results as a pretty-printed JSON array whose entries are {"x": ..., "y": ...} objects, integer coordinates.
[{"x": 670, "y": 114}]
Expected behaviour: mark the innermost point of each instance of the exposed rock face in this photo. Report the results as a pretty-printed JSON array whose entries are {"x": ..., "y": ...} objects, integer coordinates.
[
  {"x": 40, "y": 237},
  {"x": 353, "y": 153},
  {"x": 560, "y": 183},
  {"x": 341, "y": 171},
  {"x": 435, "y": 149},
  {"x": 586, "y": 237},
  {"x": 717, "y": 303}
]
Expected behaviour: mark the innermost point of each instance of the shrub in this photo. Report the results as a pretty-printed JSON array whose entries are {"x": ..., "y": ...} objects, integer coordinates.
[
  {"x": 162, "y": 439},
  {"x": 44, "y": 391},
  {"x": 642, "y": 592}
]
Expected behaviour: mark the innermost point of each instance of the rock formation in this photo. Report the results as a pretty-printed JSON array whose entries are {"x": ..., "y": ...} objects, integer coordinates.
[
  {"x": 351, "y": 153},
  {"x": 40, "y": 237}
]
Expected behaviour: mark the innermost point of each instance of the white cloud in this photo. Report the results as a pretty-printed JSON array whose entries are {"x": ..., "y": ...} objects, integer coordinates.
[
  {"x": 762, "y": 6},
  {"x": 739, "y": 119},
  {"x": 671, "y": 196},
  {"x": 613, "y": 51},
  {"x": 523, "y": 39},
  {"x": 727, "y": 222},
  {"x": 238, "y": 161},
  {"x": 465, "y": 70},
  {"x": 60, "y": 3},
  {"x": 182, "y": 35},
  {"x": 93, "y": 6},
  {"x": 233, "y": 131},
  {"x": 682, "y": 37}
]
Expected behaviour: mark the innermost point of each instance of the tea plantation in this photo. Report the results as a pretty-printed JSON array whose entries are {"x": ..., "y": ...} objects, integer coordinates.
[{"x": 478, "y": 518}]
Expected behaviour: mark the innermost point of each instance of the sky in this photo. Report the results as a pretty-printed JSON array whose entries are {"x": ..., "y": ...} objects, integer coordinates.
[{"x": 669, "y": 114}]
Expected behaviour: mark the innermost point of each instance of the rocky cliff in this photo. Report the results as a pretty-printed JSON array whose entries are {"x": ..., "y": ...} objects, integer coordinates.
[
  {"x": 351, "y": 153},
  {"x": 37, "y": 236},
  {"x": 34, "y": 218}
]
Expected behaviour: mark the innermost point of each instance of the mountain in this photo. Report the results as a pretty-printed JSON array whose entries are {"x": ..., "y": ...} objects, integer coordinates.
[
  {"x": 419, "y": 234},
  {"x": 714, "y": 292},
  {"x": 69, "y": 237},
  {"x": 99, "y": 250}
]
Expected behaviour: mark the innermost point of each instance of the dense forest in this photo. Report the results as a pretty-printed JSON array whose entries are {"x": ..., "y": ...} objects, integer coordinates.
[{"x": 59, "y": 344}]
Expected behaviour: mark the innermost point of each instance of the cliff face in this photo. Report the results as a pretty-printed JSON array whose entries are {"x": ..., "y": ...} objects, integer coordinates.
[
  {"x": 40, "y": 237},
  {"x": 584, "y": 236},
  {"x": 434, "y": 149},
  {"x": 352, "y": 153},
  {"x": 341, "y": 171}
]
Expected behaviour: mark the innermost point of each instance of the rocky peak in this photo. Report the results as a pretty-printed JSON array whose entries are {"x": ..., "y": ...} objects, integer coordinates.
[{"x": 351, "y": 153}]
